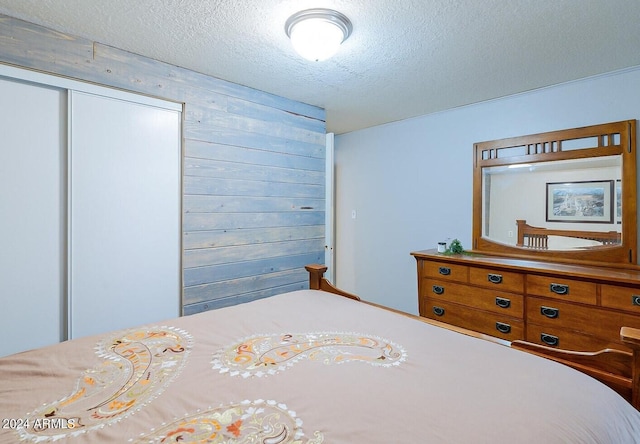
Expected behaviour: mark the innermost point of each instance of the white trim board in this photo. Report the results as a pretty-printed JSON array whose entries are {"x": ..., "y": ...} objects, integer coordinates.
[{"x": 80, "y": 86}]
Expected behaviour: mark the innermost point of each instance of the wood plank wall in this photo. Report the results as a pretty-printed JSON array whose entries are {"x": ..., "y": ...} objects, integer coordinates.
[{"x": 253, "y": 191}]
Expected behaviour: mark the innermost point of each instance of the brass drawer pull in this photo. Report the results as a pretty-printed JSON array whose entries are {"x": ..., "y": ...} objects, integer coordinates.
[
  {"x": 560, "y": 289},
  {"x": 503, "y": 302},
  {"x": 549, "y": 312},
  {"x": 551, "y": 340},
  {"x": 445, "y": 271},
  {"x": 437, "y": 289},
  {"x": 503, "y": 328},
  {"x": 438, "y": 311},
  {"x": 494, "y": 278},
  {"x": 635, "y": 299}
]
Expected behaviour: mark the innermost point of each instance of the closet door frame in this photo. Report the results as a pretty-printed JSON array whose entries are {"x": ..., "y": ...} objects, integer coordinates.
[{"x": 71, "y": 85}]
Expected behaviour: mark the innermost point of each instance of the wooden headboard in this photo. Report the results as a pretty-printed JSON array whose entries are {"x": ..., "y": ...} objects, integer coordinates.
[{"x": 536, "y": 237}]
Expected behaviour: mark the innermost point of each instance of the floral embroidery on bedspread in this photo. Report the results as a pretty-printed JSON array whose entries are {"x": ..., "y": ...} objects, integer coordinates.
[
  {"x": 138, "y": 365},
  {"x": 264, "y": 355},
  {"x": 248, "y": 422}
]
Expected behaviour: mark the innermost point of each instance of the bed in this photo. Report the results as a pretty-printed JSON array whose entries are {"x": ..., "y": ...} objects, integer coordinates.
[
  {"x": 538, "y": 238},
  {"x": 303, "y": 367}
]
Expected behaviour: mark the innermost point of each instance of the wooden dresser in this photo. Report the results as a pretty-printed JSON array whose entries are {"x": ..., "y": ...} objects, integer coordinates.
[{"x": 569, "y": 306}]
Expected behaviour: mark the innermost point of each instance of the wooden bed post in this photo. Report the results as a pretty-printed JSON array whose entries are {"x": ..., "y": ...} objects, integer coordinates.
[
  {"x": 520, "y": 224},
  {"x": 631, "y": 337},
  {"x": 318, "y": 282},
  {"x": 316, "y": 273}
]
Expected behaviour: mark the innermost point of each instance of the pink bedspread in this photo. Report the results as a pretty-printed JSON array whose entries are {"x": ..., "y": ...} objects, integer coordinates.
[{"x": 302, "y": 367}]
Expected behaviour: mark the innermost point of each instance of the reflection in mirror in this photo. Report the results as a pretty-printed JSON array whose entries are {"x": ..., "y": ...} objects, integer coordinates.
[{"x": 560, "y": 205}]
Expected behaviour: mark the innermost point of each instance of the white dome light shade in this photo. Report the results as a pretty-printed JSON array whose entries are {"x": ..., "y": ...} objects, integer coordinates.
[
  {"x": 316, "y": 34},
  {"x": 316, "y": 39}
]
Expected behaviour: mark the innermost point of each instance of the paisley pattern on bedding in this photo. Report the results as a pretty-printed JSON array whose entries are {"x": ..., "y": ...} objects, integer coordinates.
[
  {"x": 138, "y": 365},
  {"x": 264, "y": 355},
  {"x": 248, "y": 422}
]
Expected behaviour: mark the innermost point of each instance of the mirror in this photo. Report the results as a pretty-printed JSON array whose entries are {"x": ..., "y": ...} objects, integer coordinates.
[{"x": 569, "y": 195}]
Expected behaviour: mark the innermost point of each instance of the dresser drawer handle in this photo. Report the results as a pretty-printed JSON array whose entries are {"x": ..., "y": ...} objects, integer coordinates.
[
  {"x": 503, "y": 328},
  {"x": 635, "y": 299},
  {"x": 438, "y": 311},
  {"x": 437, "y": 289},
  {"x": 494, "y": 278},
  {"x": 560, "y": 289},
  {"x": 503, "y": 302},
  {"x": 549, "y": 339},
  {"x": 445, "y": 271},
  {"x": 549, "y": 312}
]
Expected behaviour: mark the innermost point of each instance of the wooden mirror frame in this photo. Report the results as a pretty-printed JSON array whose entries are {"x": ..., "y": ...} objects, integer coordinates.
[{"x": 547, "y": 147}]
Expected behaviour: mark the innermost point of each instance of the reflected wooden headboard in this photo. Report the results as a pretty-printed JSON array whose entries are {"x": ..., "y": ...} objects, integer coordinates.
[{"x": 536, "y": 237}]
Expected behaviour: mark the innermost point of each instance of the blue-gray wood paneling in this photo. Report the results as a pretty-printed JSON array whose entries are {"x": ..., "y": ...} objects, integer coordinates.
[{"x": 253, "y": 188}]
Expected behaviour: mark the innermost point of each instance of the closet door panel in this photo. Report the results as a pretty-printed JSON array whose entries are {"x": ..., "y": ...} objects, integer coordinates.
[
  {"x": 125, "y": 214},
  {"x": 33, "y": 210}
]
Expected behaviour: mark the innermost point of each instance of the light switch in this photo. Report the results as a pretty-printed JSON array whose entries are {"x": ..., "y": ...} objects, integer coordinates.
[{"x": 353, "y": 214}]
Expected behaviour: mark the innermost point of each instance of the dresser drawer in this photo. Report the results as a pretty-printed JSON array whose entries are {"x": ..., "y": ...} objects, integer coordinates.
[
  {"x": 560, "y": 288},
  {"x": 601, "y": 323},
  {"x": 556, "y": 337},
  {"x": 488, "y": 323},
  {"x": 623, "y": 298},
  {"x": 497, "y": 279},
  {"x": 442, "y": 270},
  {"x": 509, "y": 304}
]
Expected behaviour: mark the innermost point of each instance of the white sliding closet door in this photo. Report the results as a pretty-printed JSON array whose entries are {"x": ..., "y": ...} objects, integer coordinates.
[
  {"x": 125, "y": 214},
  {"x": 32, "y": 215}
]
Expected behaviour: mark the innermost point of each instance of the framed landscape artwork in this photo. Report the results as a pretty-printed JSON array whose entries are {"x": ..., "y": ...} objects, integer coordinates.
[{"x": 588, "y": 201}]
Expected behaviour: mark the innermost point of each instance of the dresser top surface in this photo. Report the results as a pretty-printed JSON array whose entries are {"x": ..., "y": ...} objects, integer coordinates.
[{"x": 604, "y": 273}]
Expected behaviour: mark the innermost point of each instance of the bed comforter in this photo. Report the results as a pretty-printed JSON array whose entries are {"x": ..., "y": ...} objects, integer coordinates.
[{"x": 301, "y": 367}]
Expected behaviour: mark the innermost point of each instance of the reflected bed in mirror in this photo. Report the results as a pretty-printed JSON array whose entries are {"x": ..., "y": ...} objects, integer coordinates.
[
  {"x": 572, "y": 191},
  {"x": 550, "y": 239}
]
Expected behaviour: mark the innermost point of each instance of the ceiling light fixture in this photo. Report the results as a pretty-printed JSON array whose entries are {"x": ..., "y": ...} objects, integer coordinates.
[{"x": 316, "y": 34}]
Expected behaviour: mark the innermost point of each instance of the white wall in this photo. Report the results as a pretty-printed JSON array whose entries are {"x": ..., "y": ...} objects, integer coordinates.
[{"x": 410, "y": 182}]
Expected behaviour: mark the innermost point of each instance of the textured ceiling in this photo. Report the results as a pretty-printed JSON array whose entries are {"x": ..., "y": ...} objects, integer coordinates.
[{"x": 405, "y": 58}]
